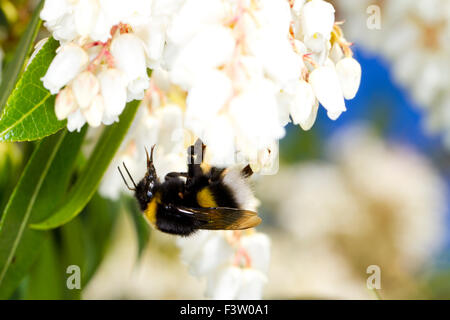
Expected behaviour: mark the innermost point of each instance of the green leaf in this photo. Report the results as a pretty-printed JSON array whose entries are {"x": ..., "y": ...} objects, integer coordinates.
[
  {"x": 96, "y": 167},
  {"x": 29, "y": 113},
  {"x": 14, "y": 68},
  {"x": 98, "y": 220},
  {"x": 72, "y": 251},
  {"x": 40, "y": 191},
  {"x": 46, "y": 281},
  {"x": 141, "y": 225}
]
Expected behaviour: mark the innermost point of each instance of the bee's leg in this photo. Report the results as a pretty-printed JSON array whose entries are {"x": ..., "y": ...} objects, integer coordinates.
[
  {"x": 175, "y": 175},
  {"x": 247, "y": 172},
  {"x": 195, "y": 158}
]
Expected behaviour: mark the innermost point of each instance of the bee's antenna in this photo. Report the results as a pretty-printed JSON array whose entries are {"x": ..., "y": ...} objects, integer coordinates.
[
  {"x": 131, "y": 178},
  {"x": 150, "y": 157}
]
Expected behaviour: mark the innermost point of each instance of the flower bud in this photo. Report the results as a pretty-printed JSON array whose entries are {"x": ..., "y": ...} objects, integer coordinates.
[
  {"x": 94, "y": 113},
  {"x": 129, "y": 56},
  {"x": 65, "y": 103},
  {"x": 325, "y": 83},
  {"x": 85, "y": 88},
  {"x": 349, "y": 73},
  {"x": 317, "y": 17},
  {"x": 86, "y": 13},
  {"x": 304, "y": 106},
  {"x": 75, "y": 121},
  {"x": 114, "y": 92}
]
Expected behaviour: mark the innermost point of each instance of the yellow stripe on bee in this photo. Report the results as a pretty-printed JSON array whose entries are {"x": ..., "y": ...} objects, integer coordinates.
[
  {"x": 150, "y": 212},
  {"x": 206, "y": 199}
]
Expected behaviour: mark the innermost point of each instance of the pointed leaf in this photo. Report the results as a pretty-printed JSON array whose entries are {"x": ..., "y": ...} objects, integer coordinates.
[
  {"x": 15, "y": 66},
  {"x": 89, "y": 180},
  {"x": 33, "y": 201},
  {"x": 29, "y": 113}
]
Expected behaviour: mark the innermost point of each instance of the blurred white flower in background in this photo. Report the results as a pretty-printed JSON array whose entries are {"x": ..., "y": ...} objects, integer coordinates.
[
  {"x": 414, "y": 36},
  {"x": 370, "y": 204},
  {"x": 234, "y": 263},
  {"x": 241, "y": 68}
]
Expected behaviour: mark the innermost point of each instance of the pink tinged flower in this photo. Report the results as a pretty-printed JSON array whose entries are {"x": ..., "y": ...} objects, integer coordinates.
[
  {"x": 68, "y": 63},
  {"x": 86, "y": 13},
  {"x": 204, "y": 252},
  {"x": 75, "y": 121},
  {"x": 257, "y": 245},
  {"x": 304, "y": 105},
  {"x": 349, "y": 73},
  {"x": 129, "y": 56},
  {"x": 85, "y": 87},
  {"x": 325, "y": 83},
  {"x": 94, "y": 113},
  {"x": 114, "y": 92},
  {"x": 65, "y": 103}
]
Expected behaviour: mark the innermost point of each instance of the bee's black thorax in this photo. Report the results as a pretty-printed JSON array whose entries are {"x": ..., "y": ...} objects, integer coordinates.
[{"x": 170, "y": 205}]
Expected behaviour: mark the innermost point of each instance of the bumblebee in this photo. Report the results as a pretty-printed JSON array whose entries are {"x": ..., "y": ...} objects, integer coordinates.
[{"x": 204, "y": 197}]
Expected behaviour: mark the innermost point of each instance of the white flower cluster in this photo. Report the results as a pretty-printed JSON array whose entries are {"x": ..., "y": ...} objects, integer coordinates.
[
  {"x": 414, "y": 36},
  {"x": 244, "y": 67},
  {"x": 234, "y": 263},
  {"x": 102, "y": 63}
]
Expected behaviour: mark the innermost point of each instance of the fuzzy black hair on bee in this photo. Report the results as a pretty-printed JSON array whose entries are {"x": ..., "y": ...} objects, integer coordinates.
[{"x": 204, "y": 197}]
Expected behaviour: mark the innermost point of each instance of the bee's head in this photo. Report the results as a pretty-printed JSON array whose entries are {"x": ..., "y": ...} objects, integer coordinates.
[{"x": 145, "y": 189}]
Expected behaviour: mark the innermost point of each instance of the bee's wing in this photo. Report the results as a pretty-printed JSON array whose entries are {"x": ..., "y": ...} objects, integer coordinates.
[{"x": 222, "y": 218}]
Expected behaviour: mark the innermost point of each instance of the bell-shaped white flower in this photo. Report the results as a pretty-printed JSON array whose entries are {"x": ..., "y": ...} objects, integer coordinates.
[
  {"x": 68, "y": 63},
  {"x": 65, "y": 103},
  {"x": 129, "y": 56},
  {"x": 53, "y": 10},
  {"x": 193, "y": 17},
  {"x": 75, "y": 121},
  {"x": 304, "y": 106},
  {"x": 204, "y": 252},
  {"x": 257, "y": 245},
  {"x": 224, "y": 284},
  {"x": 255, "y": 113},
  {"x": 317, "y": 17},
  {"x": 86, "y": 14},
  {"x": 85, "y": 87},
  {"x": 349, "y": 73},
  {"x": 64, "y": 30},
  {"x": 253, "y": 282},
  {"x": 206, "y": 98},
  {"x": 209, "y": 49},
  {"x": 234, "y": 283},
  {"x": 326, "y": 86},
  {"x": 94, "y": 113},
  {"x": 219, "y": 136},
  {"x": 114, "y": 92}
]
